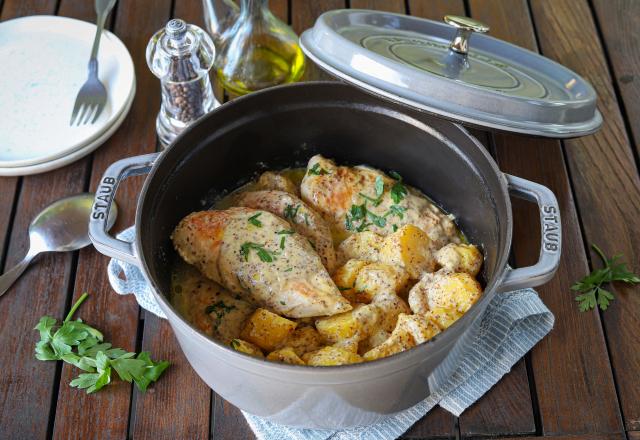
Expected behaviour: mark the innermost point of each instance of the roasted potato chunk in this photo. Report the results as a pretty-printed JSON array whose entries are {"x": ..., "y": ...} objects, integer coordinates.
[
  {"x": 442, "y": 318},
  {"x": 410, "y": 248},
  {"x": 419, "y": 327},
  {"x": 453, "y": 292},
  {"x": 345, "y": 278},
  {"x": 360, "y": 246},
  {"x": 303, "y": 339},
  {"x": 246, "y": 347},
  {"x": 266, "y": 329},
  {"x": 460, "y": 258},
  {"x": 350, "y": 344},
  {"x": 271, "y": 180},
  {"x": 378, "y": 278},
  {"x": 286, "y": 355},
  {"x": 397, "y": 342},
  {"x": 389, "y": 306},
  {"x": 357, "y": 323},
  {"x": 329, "y": 356}
]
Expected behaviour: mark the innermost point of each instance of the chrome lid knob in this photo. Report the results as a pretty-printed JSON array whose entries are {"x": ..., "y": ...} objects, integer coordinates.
[{"x": 465, "y": 27}]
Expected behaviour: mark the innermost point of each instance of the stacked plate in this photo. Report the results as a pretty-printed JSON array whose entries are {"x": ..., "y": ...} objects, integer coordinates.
[{"x": 44, "y": 65}]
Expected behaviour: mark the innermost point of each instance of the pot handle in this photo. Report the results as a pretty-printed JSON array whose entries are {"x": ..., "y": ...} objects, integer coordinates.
[
  {"x": 551, "y": 242},
  {"x": 105, "y": 195}
]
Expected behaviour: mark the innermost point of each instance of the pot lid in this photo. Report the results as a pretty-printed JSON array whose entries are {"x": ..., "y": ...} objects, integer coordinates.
[{"x": 454, "y": 71}]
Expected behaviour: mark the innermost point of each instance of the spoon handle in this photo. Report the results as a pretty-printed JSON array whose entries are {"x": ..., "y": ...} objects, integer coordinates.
[{"x": 9, "y": 277}]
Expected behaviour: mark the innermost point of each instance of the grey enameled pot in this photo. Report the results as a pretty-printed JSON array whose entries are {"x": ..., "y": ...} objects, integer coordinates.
[{"x": 285, "y": 126}]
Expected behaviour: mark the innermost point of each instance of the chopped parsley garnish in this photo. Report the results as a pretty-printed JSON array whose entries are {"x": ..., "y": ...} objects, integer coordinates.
[
  {"x": 264, "y": 255},
  {"x": 220, "y": 309},
  {"x": 283, "y": 303},
  {"x": 398, "y": 190},
  {"x": 316, "y": 170},
  {"x": 379, "y": 190},
  {"x": 284, "y": 234},
  {"x": 377, "y": 219},
  {"x": 396, "y": 210},
  {"x": 290, "y": 212},
  {"x": 394, "y": 227},
  {"x": 288, "y": 269},
  {"x": 254, "y": 220}
]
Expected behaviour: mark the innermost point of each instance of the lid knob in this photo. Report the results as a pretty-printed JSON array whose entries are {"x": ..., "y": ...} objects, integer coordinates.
[{"x": 465, "y": 26}]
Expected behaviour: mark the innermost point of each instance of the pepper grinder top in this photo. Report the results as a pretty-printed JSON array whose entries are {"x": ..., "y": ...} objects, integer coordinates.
[{"x": 181, "y": 55}]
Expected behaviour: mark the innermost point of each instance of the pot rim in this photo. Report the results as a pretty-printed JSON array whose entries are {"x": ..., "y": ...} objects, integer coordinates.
[{"x": 405, "y": 358}]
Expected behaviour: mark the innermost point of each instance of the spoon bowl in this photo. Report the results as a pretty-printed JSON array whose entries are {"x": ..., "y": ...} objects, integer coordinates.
[{"x": 62, "y": 226}]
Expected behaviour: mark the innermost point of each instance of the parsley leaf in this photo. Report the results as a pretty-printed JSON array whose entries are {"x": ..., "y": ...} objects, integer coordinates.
[
  {"x": 396, "y": 210},
  {"x": 290, "y": 212},
  {"x": 286, "y": 232},
  {"x": 98, "y": 359},
  {"x": 254, "y": 220},
  {"x": 592, "y": 292},
  {"x": 379, "y": 186},
  {"x": 317, "y": 170},
  {"x": 264, "y": 255}
]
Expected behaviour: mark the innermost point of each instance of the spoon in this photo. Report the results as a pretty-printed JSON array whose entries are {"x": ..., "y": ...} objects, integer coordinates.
[{"x": 60, "y": 227}]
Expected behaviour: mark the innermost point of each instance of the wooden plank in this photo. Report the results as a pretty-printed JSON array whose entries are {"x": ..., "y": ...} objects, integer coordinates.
[
  {"x": 8, "y": 193},
  {"x": 436, "y": 9},
  {"x": 397, "y": 6},
  {"x": 303, "y": 16},
  {"x": 606, "y": 183},
  {"x": 27, "y": 386},
  {"x": 619, "y": 436},
  {"x": 619, "y": 21},
  {"x": 79, "y": 415},
  {"x": 633, "y": 435},
  {"x": 182, "y": 391},
  {"x": 229, "y": 422},
  {"x": 565, "y": 395}
]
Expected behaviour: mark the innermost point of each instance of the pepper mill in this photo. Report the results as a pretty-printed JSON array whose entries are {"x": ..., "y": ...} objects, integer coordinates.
[{"x": 181, "y": 55}]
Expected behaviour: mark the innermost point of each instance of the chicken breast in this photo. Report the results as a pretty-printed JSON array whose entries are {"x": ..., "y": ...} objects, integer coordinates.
[
  {"x": 243, "y": 250},
  {"x": 273, "y": 180},
  {"x": 304, "y": 220},
  {"x": 356, "y": 199}
]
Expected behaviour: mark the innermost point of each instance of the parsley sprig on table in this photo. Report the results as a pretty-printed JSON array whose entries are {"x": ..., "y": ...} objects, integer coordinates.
[
  {"x": 592, "y": 292},
  {"x": 81, "y": 345}
]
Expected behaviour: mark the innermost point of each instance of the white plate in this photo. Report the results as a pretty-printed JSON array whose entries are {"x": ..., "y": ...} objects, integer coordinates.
[
  {"x": 44, "y": 64},
  {"x": 74, "y": 155}
]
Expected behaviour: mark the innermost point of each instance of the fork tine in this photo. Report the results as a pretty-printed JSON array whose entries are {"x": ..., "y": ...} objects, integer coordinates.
[
  {"x": 81, "y": 113},
  {"x": 98, "y": 111},
  {"x": 90, "y": 109},
  {"x": 76, "y": 108}
]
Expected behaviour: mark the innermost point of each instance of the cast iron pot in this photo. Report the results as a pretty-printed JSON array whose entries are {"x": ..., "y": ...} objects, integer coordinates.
[{"x": 283, "y": 127}]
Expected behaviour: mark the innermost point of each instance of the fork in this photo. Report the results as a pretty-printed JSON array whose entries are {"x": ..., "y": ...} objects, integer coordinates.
[{"x": 92, "y": 96}]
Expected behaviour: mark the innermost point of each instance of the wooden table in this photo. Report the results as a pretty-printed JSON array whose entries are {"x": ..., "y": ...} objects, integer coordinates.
[{"x": 581, "y": 381}]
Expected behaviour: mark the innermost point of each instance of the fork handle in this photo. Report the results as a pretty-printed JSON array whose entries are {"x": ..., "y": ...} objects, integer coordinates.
[{"x": 103, "y": 7}]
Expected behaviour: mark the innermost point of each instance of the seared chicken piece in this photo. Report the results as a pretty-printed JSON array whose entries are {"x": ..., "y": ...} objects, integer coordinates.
[
  {"x": 242, "y": 249},
  {"x": 340, "y": 192},
  {"x": 304, "y": 220},
  {"x": 271, "y": 180},
  {"x": 454, "y": 293}
]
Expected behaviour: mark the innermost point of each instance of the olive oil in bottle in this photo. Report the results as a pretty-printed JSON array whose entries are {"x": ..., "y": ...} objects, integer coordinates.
[{"x": 258, "y": 51}]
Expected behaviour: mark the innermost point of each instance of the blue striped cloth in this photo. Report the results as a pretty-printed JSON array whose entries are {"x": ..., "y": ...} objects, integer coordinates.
[{"x": 513, "y": 323}]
